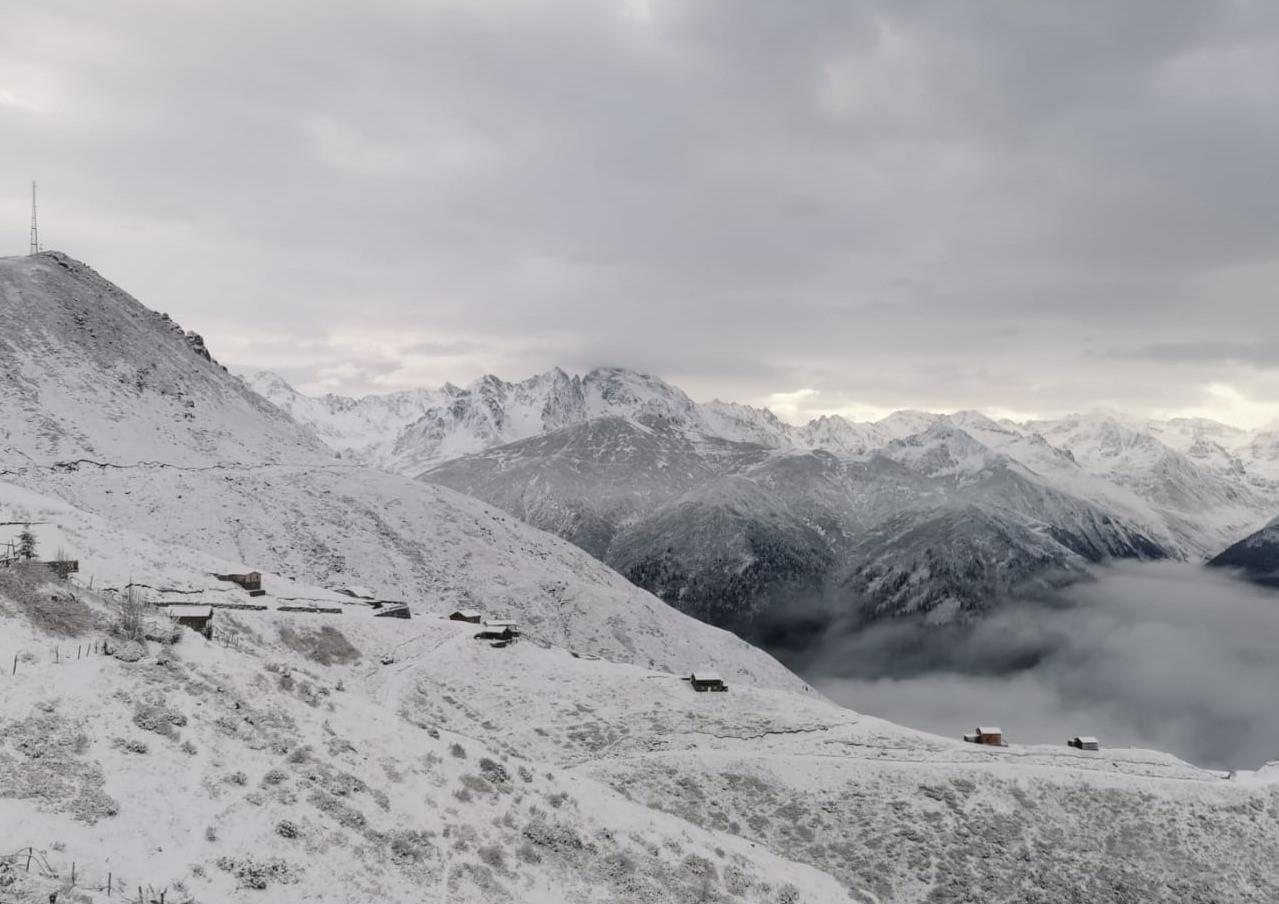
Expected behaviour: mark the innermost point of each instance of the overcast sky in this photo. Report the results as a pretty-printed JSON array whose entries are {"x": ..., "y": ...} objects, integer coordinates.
[{"x": 1027, "y": 208}]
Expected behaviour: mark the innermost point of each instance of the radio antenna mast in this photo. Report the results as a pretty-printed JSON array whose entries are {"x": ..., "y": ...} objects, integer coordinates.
[{"x": 35, "y": 226}]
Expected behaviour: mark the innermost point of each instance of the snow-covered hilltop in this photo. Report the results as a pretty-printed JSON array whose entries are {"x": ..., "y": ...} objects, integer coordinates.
[{"x": 91, "y": 373}]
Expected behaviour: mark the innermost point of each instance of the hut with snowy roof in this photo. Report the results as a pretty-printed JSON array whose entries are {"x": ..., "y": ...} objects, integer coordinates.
[
  {"x": 474, "y": 616},
  {"x": 499, "y": 629},
  {"x": 251, "y": 582},
  {"x": 991, "y": 735},
  {"x": 706, "y": 680},
  {"x": 1084, "y": 742},
  {"x": 197, "y": 618}
]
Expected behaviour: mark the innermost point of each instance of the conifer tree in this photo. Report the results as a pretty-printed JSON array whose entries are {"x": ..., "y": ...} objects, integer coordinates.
[{"x": 27, "y": 544}]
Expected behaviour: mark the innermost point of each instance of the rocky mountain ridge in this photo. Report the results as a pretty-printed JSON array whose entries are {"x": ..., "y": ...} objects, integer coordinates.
[{"x": 731, "y": 514}]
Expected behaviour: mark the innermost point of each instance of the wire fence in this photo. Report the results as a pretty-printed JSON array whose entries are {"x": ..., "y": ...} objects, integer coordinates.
[
  {"x": 47, "y": 864},
  {"x": 58, "y": 654}
]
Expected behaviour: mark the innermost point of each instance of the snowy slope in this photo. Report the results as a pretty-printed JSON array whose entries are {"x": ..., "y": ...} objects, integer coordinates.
[
  {"x": 277, "y": 762},
  {"x": 307, "y": 518},
  {"x": 91, "y": 373},
  {"x": 1256, "y": 555},
  {"x": 356, "y": 759},
  {"x": 1202, "y": 506}
]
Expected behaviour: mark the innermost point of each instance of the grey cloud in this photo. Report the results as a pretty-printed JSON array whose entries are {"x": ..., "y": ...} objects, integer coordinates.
[
  {"x": 855, "y": 195},
  {"x": 1168, "y": 656},
  {"x": 444, "y": 349},
  {"x": 1257, "y": 354}
]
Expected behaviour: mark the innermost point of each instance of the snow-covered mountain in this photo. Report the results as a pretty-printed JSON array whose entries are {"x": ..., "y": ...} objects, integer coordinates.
[
  {"x": 735, "y": 533},
  {"x": 354, "y": 427},
  {"x": 1256, "y": 555},
  {"x": 725, "y": 510}
]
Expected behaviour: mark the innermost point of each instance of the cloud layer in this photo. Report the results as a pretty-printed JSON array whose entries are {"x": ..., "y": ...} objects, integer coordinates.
[
  {"x": 1027, "y": 207},
  {"x": 1168, "y": 656}
]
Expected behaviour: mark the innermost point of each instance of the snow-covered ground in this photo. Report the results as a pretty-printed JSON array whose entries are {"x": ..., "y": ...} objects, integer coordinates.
[{"x": 422, "y": 764}]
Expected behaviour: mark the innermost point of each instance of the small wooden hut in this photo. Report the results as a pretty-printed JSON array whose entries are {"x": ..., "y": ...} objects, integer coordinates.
[
  {"x": 250, "y": 582},
  {"x": 474, "y": 616},
  {"x": 397, "y": 611},
  {"x": 991, "y": 735},
  {"x": 198, "y": 618},
  {"x": 1084, "y": 742},
  {"x": 706, "y": 680},
  {"x": 499, "y": 629}
]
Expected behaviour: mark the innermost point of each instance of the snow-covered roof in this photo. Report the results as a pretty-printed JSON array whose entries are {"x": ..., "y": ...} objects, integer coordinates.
[
  {"x": 706, "y": 675},
  {"x": 1086, "y": 739},
  {"x": 989, "y": 729},
  {"x": 189, "y": 611},
  {"x": 501, "y": 623},
  {"x": 467, "y": 613}
]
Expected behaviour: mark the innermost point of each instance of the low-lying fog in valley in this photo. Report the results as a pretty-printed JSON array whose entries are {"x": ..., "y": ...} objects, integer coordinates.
[{"x": 1169, "y": 656}]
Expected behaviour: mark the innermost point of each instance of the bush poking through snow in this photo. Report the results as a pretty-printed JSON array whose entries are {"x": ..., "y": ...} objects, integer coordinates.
[
  {"x": 327, "y": 646},
  {"x": 129, "y": 651},
  {"x": 49, "y": 606},
  {"x": 130, "y": 616},
  {"x": 155, "y": 715},
  {"x": 257, "y": 874},
  {"x": 409, "y": 848},
  {"x": 286, "y": 829},
  {"x": 132, "y": 745},
  {"x": 494, "y": 771}
]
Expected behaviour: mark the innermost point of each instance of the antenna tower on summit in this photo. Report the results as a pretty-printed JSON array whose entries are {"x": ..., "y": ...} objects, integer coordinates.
[{"x": 35, "y": 226}]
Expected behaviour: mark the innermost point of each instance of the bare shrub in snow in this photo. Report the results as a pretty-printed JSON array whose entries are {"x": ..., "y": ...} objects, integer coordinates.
[
  {"x": 51, "y": 608},
  {"x": 286, "y": 829},
  {"x": 157, "y": 716},
  {"x": 411, "y": 847},
  {"x": 457, "y": 750},
  {"x": 345, "y": 815},
  {"x": 132, "y": 745},
  {"x": 327, "y": 646},
  {"x": 129, "y": 651},
  {"x": 257, "y": 874},
  {"x": 131, "y": 612},
  {"x": 41, "y": 760},
  {"x": 493, "y": 771},
  {"x": 493, "y": 856}
]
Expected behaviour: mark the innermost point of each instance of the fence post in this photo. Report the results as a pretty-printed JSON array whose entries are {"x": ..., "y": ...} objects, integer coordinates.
[
  {"x": 30, "y": 851},
  {"x": 110, "y": 876},
  {"x": 73, "y": 874},
  {"x": 15, "y": 664}
]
